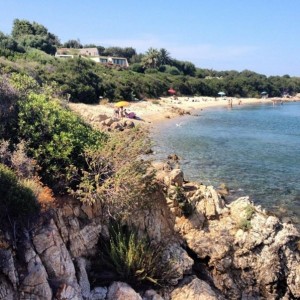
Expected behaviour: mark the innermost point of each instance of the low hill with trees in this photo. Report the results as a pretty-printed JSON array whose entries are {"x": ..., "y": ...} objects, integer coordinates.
[{"x": 30, "y": 49}]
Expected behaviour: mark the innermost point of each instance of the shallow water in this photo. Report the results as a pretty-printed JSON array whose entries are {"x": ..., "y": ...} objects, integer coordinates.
[{"x": 254, "y": 150}]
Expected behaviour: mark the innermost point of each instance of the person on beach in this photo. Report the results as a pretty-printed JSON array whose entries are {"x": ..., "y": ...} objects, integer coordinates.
[
  {"x": 116, "y": 112},
  {"x": 121, "y": 112}
]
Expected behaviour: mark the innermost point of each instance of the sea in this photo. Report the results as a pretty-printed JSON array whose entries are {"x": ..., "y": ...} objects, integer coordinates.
[{"x": 253, "y": 149}]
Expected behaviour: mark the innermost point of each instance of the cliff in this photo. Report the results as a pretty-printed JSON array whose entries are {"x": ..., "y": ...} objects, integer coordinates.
[{"x": 218, "y": 250}]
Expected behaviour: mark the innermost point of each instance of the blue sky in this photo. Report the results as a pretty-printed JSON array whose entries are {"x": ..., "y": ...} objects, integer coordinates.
[{"x": 258, "y": 35}]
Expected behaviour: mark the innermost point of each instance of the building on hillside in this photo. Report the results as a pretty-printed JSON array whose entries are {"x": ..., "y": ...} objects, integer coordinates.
[
  {"x": 110, "y": 60},
  {"x": 93, "y": 54}
]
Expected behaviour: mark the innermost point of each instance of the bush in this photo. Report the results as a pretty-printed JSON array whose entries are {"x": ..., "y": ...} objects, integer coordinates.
[
  {"x": 245, "y": 221},
  {"x": 117, "y": 176},
  {"x": 77, "y": 78},
  {"x": 17, "y": 201},
  {"x": 8, "y": 113},
  {"x": 137, "y": 67},
  {"x": 134, "y": 258},
  {"x": 172, "y": 70},
  {"x": 151, "y": 71},
  {"x": 56, "y": 137}
]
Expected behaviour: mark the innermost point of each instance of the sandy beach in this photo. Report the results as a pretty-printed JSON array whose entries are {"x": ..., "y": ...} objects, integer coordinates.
[{"x": 153, "y": 111}]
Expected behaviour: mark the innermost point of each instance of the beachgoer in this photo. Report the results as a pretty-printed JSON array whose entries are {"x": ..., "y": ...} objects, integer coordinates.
[
  {"x": 121, "y": 113},
  {"x": 116, "y": 112}
]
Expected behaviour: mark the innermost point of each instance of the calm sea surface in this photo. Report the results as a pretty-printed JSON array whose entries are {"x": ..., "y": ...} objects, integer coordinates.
[{"x": 254, "y": 150}]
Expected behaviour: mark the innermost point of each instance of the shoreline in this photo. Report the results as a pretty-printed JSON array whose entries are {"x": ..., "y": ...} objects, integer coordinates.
[{"x": 155, "y": 111}]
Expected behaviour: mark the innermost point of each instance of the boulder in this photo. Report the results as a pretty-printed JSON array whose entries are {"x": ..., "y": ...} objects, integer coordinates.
[
  {"x": 194, "y": 289},
  {"x": 152, "y": 295},
  {"x": 129, "y": 124},
  {"x": 67, "y": 292},
  {"x": 181, "y": 263},
  {"x": 98, "y": 293},
  {"x": 116, "y": 126},
  {"x": 122, "y": 291},
  {"x": 175, "y": 177},
  {"x": 108, "y": 122}
]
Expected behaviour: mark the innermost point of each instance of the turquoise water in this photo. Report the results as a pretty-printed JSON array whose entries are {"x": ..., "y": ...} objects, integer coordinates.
[{"x": 254, "y": 150}]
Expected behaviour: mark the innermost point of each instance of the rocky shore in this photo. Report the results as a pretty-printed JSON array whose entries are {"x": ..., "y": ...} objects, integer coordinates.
[{"x": 219, "y": 250}]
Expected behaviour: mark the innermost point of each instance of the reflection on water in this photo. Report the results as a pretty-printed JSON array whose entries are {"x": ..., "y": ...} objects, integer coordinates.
[{"x": 255, "y": 150}]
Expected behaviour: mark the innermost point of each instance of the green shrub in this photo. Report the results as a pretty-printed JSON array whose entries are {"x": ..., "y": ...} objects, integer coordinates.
[
  {"x": 244, "y": 224},
  {"x": 17, "y": 201},
  {"x": 56, "y": 137},
  {"x": 117, "y": 176},
  {"x": 249, "y": 211},
  {"x": 245, "y": 221},
  {"x": 137, "y": 67},
  {"x": 172, "y": 70},
  {"x": 151, "y": 71},
  {"x": 134, "y": 258}
]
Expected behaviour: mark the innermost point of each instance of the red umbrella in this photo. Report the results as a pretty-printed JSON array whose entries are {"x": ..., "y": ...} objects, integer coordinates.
[{"x": 171, "y": 91}]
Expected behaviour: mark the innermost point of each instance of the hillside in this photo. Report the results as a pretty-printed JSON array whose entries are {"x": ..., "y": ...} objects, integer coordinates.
[{"x": 84, "y": 214}]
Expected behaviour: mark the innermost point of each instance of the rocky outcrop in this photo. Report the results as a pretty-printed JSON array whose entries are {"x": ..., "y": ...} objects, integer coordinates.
[
  {"x": 217, "y": 250},
  {"x": 114, "y": 124},
  {"x": 260, "y": 260}
]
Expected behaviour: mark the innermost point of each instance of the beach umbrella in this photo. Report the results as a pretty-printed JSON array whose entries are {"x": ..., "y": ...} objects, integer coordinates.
[
  {"x": 121, "y": 104},
  {"x": 221, "y": 94},
  {"x": 171, "y": 91},
  {"x": 264, "y": 93}
]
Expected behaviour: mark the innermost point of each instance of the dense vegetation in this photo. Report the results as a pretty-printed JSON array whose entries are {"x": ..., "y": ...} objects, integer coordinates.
[{"x": 150, "y": 74}]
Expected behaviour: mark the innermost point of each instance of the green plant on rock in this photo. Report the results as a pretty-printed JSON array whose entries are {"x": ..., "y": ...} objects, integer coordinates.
[
  {"x": 183, "y": 203},
  {"x": 134, "y": 258},
  {"x": 17, "y": 202},
  {"x": 245, "y": 221},
  {"x": 244, "y": 224}
]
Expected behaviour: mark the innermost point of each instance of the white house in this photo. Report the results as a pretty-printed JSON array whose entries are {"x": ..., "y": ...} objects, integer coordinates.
[
  {"x": 111, "y": 60},
  {"x": 93, "y": 54}
]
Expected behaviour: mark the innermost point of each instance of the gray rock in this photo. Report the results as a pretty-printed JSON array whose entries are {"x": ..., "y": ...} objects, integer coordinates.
[
  {"x": 152, "y": 295},
  {"x": 122, "y": 291},
  {"x": 175, "y": 177},
  {"x": 180, "y": 263},
  {"x": 67, "y": 292},
  {"x": 109, "y": 121},
  {"x": 82, "y": 242},
  {"x": 6, "y": 289},
  {"x": 196, "y": 289},
  {"x": 82, "y": 276},
  {"x": 98, "y": 293},
  {"x": 36, "y": 280},
  {"x": 7, "y": 266}
]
